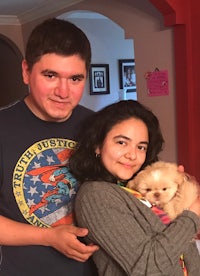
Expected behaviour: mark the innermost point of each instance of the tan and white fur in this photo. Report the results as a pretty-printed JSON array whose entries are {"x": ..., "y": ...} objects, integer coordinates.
[{"x": 163, "y": 185}]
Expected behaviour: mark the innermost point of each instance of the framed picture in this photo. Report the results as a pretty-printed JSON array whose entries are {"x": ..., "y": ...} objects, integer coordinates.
[
  {"x": 99, "y": 79},
  {"x": 127, "y": 77}
]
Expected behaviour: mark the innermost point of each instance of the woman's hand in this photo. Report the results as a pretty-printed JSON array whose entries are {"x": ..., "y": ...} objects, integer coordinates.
[
  {"x": 181, "y": 168},
  {"x": 195, "y": 207}
]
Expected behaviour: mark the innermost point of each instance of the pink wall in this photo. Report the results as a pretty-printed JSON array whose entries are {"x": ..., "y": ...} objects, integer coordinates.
[{"x": 185, "y": 18}]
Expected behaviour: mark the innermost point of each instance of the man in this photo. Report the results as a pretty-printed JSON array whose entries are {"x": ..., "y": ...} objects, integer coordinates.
[{"x": 38, "y": 134}]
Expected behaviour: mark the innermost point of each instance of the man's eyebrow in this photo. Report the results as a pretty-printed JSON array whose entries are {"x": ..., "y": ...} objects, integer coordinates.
[
  {"x": 80, "y": 76},
  {"x": 47, "y": 71}
]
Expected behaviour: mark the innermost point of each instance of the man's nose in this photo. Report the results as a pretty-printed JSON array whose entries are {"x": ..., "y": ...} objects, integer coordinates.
[{"x": 62, "y": 89}]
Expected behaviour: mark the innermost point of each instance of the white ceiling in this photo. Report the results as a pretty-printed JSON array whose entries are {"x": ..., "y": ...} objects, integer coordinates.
[{"x": 22, "y": 11}]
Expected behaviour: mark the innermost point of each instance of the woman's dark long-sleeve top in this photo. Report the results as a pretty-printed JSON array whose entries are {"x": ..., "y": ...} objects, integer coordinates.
[{"x": 132, "y": 239}]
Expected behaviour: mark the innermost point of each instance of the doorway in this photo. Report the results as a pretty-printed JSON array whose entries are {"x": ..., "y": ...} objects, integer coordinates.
[{"x": 11, "y": 83}]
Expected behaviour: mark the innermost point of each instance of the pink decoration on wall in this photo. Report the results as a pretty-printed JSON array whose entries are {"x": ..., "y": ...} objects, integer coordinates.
[{"x": 157, "y": 83}]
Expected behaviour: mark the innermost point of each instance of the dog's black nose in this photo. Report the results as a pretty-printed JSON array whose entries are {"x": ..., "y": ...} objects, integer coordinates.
[{"x": 157, "y": 195}]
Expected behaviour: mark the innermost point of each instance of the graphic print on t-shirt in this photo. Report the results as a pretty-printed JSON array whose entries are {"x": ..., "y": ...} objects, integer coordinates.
[{"x": 44, "y": 188}]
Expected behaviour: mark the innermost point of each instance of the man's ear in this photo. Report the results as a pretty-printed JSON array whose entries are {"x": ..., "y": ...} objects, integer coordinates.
[{"x": 25, "y": 72}]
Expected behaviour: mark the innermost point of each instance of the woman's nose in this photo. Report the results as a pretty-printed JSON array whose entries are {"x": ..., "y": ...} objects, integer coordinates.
[{"x": 131, "y": 154}]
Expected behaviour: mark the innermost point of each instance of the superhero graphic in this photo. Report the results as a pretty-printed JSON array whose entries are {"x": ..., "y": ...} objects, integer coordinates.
[{"x": 43, "y": 186}]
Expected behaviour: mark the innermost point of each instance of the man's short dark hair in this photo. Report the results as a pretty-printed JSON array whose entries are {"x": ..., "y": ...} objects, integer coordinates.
[{"x": 60, "y": 37}]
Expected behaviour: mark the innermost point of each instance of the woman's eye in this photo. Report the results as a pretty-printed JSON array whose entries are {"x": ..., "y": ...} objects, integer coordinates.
[
  {"x": 143, "y": 148},
  {"x": 121, "y": 142}
]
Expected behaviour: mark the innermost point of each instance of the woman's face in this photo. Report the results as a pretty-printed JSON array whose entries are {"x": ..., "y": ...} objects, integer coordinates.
[{"x": 124, "y": 148}]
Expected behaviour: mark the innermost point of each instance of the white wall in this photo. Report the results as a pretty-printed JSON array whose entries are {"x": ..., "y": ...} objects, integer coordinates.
[
  {"x": 108, "y": 46},
  {"x": 153, "y": 47}
]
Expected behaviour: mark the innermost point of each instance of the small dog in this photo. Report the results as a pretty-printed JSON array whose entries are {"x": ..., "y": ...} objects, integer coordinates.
[{"x": 163, "y": 185}]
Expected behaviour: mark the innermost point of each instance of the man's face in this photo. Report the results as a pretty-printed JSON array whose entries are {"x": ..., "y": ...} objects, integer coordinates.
[{"x": 56, "y": 86}]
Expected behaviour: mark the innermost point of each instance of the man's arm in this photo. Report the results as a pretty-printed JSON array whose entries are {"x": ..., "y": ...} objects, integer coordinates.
[{"x": 63, "y": 238}]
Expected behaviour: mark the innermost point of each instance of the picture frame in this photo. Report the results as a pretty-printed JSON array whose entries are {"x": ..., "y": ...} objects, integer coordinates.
[
  {"x": 99, "y": 79},
  {"x": 127, "y": 76}
]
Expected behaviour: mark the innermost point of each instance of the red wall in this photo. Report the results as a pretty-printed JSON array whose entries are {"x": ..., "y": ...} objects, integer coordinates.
[{"x": 185, "y": 19}]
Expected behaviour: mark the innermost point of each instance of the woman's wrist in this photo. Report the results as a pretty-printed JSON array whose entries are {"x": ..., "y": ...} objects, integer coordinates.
[{"x": 195, "y": 206}]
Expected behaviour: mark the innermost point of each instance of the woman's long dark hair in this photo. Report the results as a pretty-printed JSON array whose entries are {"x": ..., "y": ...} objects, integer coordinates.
[{"x": 85, "y": 165}]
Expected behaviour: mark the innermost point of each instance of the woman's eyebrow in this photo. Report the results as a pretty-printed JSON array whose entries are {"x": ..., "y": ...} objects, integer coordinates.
[
  {"x": 144, "y": 142},
  {"x": 122, "y": 136},
  {"x": 127, "y": 138}
]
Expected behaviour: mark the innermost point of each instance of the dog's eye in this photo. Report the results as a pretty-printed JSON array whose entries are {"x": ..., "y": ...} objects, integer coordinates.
[{"x": 148, "y": 190}]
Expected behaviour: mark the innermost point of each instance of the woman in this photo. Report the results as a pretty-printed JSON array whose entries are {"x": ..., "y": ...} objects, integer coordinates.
[{"x": 119, "y": 141}]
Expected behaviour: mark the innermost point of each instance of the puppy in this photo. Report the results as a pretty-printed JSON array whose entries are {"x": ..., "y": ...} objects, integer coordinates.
[{"x": 163, "y": 185}]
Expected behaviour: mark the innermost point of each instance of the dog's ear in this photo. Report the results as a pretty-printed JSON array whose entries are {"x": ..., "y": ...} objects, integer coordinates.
[
  {"x": 172, "y": 172},
  {"x": 138, "y": 179},
  {"x": 131, "y": 184},
  {"x": 179, "y": 178}
]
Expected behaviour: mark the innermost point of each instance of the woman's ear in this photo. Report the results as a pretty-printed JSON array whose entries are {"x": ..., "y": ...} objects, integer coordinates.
[{"x": 97, "y": 151}]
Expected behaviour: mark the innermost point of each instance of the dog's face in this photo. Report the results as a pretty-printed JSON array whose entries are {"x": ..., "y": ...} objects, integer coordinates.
[
  {"x": 157, "y": 183},
  {"x": 157, "y": 189}
]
